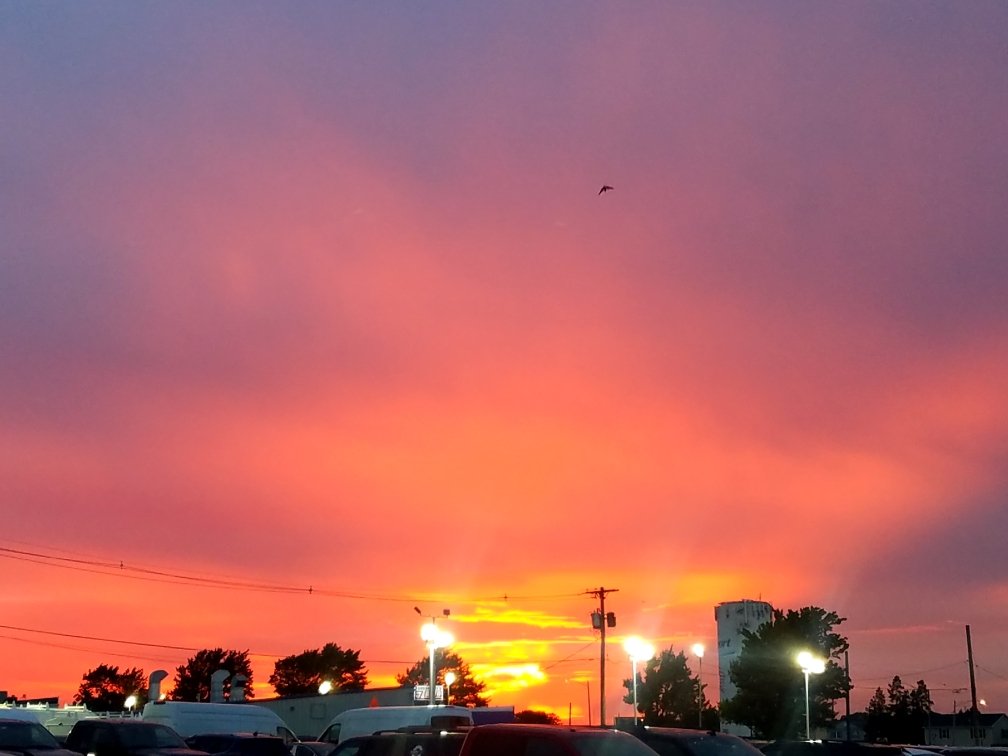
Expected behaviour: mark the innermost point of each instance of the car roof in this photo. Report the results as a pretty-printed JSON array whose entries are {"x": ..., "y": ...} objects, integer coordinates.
[{"x": 523, "y": 727}]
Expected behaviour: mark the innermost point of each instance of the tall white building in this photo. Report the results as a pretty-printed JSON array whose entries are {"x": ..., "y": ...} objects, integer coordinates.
[{"x": 732, "y": 617}]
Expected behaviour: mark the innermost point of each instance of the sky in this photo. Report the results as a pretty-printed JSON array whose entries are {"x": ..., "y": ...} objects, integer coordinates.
[{"x": 312, "y": 313}]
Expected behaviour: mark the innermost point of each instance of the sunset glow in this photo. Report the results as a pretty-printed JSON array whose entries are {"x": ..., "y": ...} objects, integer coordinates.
[{"x": 314, "y": 313}]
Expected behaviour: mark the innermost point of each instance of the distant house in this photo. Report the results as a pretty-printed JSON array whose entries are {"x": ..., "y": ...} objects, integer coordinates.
[
  {"x": 963, "y": 730},
  {"x": 848, "y": 728}
]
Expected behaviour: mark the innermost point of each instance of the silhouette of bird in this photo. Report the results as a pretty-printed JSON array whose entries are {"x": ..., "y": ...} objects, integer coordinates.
[{"x": 605, "y": 188}]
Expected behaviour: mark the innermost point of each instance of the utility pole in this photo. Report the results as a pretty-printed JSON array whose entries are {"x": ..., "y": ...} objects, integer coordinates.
[
  {"x": 601, "y": 620},
  {"x": 974, "y": 711}
]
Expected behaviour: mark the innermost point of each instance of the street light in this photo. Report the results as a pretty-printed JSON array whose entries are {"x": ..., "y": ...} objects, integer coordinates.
[
  {"x": 435, "y": 638},
  {"x": 324, "y": 687},
  {"x": 698, "y": 649},
  {"x": 639, "y": 650},
  {"x": 130, "y": 703},
  {"x": 449, "y": 678},
  {"x": 810, "y": 665}
]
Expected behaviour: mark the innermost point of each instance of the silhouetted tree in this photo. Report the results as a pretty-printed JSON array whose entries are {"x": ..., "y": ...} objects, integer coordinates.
[
  {"x": 877, "y": 715},
  {"x": 192, "y": 679},
  {"x": 667, "y": 694},
  {"x": 900, "y": 715},
  {"x": 531, "y": 716},
  {"x": 465, "y": 691},
  {"x": 770, "y": 695},
  {"x": 302, "y": 673},
  {"x": 105, "y": 688}
]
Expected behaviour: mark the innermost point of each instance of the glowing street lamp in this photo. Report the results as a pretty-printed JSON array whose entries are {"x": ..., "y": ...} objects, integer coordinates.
[
  {"x": 435, "y": 638},
  {"x": 810, "y": 665},
  {"x": 130, "y": 703},
  {"x": 698, "y": 650},
  {"x": 639, "y": 650},
  {"x": 324, "y": 687}
]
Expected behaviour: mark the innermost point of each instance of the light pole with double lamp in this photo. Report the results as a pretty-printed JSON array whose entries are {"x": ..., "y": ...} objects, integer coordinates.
[
  {"x": 639, "y": 650},
  {"x": 810, "y": 665},
  {"x": 435, "y": 638}
]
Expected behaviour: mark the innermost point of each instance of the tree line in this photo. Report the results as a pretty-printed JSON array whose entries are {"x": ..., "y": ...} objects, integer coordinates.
[
  {"x": 770, "y": 687},
  {"x": 106, "y": 687}
]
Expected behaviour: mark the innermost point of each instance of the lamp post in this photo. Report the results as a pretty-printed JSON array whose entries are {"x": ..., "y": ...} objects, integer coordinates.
[
  {"x": 435, "y": 638},
  {"x": 639, "y": 650},
  {"x": 449, "y": 679},
  {"x": 810, "y": 665},
  {"x": 325, "y": 687},
  {"x": 698, "y": 649},
  {"x": 130, "y": 703}
]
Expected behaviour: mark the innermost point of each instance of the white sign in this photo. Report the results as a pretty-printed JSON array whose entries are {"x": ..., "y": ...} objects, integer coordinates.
[{"x": 421, "y": 692}]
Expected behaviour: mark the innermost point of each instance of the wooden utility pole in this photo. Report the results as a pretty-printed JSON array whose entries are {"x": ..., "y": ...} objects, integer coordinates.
[
  {"x": 600, "y": 620},
  {"x": 974, "y": 711}
]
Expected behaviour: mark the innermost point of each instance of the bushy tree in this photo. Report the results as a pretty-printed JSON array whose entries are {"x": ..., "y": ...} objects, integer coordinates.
[
  {"x": 532, "y": 716},
  {"x": 301, "y": 674},
  {"x": 465, "y": 691},
  {"x": 105, "y": 688},
  {"x": 770, "y": 686},
  {"x": 667, "y": 693},
  {"x": 899, "y": 715},
  {"x": 193, "y": 679}
]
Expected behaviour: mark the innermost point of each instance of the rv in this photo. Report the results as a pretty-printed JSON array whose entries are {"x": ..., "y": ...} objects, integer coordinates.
[
  {"x": 354, "y": 722},
  {"x": 190, "y": 718}
]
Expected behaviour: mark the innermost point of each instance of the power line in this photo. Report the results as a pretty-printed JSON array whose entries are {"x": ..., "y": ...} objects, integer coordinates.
[
  {"x": 124, "y": 570},
  {"x": 66, "y": 647}
]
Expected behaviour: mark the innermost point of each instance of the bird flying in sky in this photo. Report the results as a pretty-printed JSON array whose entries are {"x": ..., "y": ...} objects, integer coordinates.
[{"x": 605, "y": 188}]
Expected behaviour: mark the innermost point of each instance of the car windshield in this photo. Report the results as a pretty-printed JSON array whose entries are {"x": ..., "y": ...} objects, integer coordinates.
[
  {"x": 26, "y": 735},
  {"x": 612, "y": 744},
  {"x": 150, "y": 736}
]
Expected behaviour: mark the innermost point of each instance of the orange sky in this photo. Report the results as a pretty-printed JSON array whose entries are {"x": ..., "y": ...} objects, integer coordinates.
[{"x": 327, "y": 296}]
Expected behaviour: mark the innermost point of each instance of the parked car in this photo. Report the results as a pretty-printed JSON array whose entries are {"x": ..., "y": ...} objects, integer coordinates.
[
  {"x": 675, "y": 741},
  {"x": 126, "y": 737},
  {"x": 550, "y": 740},
  {"x": 240, "y": 744},
  {"x": 27, "y": 738},
  {"x": 406, "y": 742}
]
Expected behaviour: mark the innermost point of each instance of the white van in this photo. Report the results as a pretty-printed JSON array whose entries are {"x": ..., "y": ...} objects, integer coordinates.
[
  {"x": 354, "y": 722},
  {"x": 190, "y": 718}
]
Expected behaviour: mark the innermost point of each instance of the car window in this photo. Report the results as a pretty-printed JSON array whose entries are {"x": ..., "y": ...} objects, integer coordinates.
[
  {"x": 538, "y": 746},
  {"x": 613, "y": 744},
  {"x": 436, "y": 744},
  {"x": 331, "y": 733},
  {"x": 150, "y": 736}
]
